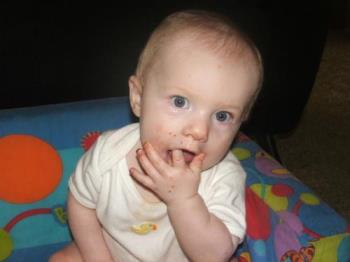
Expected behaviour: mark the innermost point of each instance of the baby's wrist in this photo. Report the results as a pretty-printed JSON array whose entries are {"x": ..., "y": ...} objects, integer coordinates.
[{"x": 184, "y": 203}]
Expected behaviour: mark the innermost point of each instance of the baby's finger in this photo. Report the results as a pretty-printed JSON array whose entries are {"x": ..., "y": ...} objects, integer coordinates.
[
  {"x": 197, "y": 162},
  {"x": 146, "y": 164},
  {"x": 155, "y": 159},
  {"x": 177, "y": 157},
  {"x": 142, "y": 178}
]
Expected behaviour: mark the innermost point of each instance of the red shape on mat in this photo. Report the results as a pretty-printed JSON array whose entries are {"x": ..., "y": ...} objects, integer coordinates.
[
  {"x": 282, "y": 190},
  {"x": 24, "y": 215},
  {"x": 89, "y": 139},
  {"x": 257, "y": 216}
]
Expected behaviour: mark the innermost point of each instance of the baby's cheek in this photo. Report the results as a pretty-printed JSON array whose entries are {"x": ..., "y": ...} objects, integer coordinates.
[
  {"x": 215, "y": 154},
  {"x": 159, "y": 138}
]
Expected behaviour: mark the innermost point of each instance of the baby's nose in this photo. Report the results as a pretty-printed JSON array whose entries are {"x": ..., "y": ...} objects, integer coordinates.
[{"x": 198, "y": 130}]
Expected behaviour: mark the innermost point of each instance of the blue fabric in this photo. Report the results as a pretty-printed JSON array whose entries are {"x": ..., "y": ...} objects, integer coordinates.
[{"x": 63, "y": 125}]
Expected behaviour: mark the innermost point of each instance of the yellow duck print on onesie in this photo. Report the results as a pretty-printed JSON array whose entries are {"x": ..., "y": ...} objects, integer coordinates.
[{"x": 144, "y": 228}]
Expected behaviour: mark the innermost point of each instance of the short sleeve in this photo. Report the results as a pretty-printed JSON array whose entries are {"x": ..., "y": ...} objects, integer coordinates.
[
  {"x": 85, "y": 182},
  {"x": 224, "y": 195}
]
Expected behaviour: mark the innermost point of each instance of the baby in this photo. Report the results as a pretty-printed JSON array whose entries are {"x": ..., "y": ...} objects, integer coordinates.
[{"x": 168, "y": 188}]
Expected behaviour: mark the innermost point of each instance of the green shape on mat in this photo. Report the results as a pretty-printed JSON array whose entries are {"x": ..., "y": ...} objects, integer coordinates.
[{"x": 6, "y": 245}]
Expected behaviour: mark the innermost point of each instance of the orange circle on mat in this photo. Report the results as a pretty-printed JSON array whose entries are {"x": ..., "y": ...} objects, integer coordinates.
[{"x": 30, "y": 169}]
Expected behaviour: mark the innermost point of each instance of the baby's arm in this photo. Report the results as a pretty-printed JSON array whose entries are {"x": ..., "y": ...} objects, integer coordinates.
[
  {"x": 201, "y": 235},
  {"x": 87, "y": 232}
]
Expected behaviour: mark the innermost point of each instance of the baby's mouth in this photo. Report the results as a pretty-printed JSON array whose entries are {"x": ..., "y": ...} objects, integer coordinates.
[{"x": 187, "y": 155}]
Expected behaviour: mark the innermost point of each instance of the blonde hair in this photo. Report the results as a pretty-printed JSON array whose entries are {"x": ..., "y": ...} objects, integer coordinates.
[{"x": 211, "y": 30}]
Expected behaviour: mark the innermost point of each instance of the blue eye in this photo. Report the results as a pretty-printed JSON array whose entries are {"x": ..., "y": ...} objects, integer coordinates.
[
  {"x": 223, "y": 116},
  {"x": 179, "y": 101}
]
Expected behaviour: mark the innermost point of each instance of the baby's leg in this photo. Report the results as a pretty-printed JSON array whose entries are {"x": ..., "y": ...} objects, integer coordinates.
[{"x": 70, "y": 253}]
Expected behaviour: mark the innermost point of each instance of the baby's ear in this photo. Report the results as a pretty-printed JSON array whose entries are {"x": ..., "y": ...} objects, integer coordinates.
[{"x": 135, "y": 95}]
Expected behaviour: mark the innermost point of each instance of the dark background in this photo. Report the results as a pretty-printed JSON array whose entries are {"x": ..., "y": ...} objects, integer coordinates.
[{"x": 61, "y": 52}]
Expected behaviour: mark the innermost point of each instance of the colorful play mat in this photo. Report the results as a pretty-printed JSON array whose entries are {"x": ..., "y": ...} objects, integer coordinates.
[{"x": 40, "y": 146}]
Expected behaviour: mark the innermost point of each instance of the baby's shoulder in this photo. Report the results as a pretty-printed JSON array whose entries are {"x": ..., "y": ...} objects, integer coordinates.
[
  {"x": 112, "y": 145},
  {"x": 228, "y": 171},
  {"x": 229, "y": 164}
]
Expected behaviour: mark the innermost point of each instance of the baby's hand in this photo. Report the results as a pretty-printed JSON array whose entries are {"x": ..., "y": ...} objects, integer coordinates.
[{"x": 171, "y": 182}]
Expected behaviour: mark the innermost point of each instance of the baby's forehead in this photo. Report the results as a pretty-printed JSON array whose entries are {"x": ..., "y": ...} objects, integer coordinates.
[
  {"x": 226, "y": 53},
  {"x": 225, "y": 49}
]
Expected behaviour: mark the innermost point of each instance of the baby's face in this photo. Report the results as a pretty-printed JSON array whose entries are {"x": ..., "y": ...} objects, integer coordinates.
[{"x": 193, "y": 100}]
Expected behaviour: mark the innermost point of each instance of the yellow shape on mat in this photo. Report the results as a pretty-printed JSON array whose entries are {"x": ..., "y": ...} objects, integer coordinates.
[
  {"x": 277, "y": 203},
  {"x": 326, "y": 248},
  {"x": 241, "y": 153},
  {"x": 309, "y": 199}
]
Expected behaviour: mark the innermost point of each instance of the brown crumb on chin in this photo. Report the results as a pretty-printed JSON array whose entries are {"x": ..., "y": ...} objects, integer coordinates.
[
  {"x": 171, "y": 134},
  {"x": 172, "y": 187}
]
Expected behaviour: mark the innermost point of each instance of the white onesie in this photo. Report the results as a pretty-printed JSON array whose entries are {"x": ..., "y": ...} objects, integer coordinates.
[{"x": 136, "y": 230}]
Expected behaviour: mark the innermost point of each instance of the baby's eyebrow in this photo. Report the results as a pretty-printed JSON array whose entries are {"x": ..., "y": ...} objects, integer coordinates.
[
  {"x": 230, "y": 107},
  {"x": 182, "y": 88}
]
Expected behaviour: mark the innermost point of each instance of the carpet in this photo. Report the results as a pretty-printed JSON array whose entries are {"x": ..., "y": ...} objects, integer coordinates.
[{"x": 317, "y": 151}]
